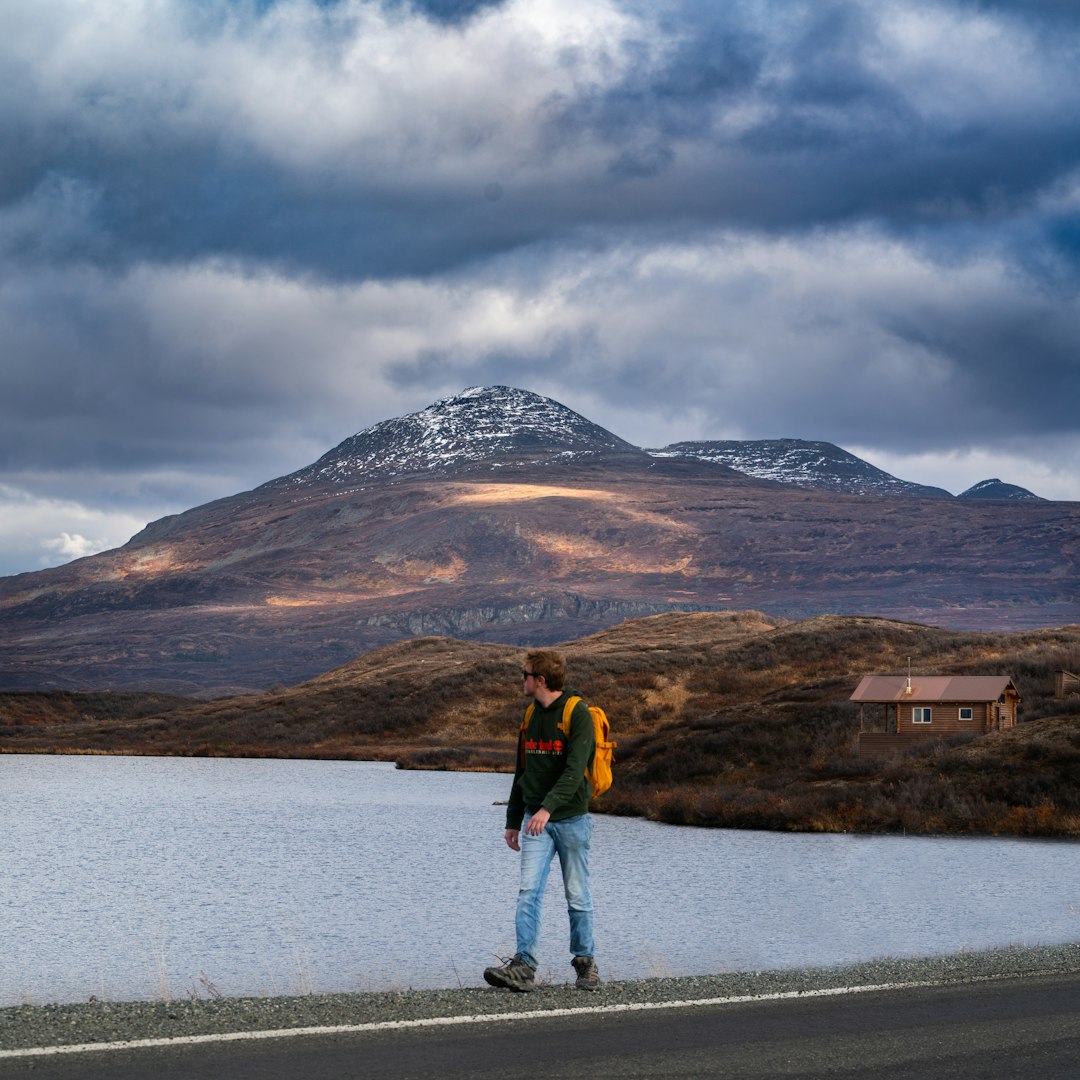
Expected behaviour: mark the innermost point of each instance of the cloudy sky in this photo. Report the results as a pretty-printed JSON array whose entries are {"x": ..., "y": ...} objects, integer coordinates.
[{"x": 232, "y": 234}]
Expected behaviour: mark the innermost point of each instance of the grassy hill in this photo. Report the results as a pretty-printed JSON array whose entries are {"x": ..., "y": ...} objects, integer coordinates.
[{"x": 723, "y": 719}]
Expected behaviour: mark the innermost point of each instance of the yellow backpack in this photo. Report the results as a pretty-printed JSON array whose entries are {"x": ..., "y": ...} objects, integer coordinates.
[{"x": 599, "y": 772}]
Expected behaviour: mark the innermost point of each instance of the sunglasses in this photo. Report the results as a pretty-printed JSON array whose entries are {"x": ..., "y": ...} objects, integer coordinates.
[{"x": 528, "y": 674}]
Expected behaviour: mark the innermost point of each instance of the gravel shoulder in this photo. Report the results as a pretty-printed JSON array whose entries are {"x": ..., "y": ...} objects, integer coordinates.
[{"x": 23, "y": 1027}]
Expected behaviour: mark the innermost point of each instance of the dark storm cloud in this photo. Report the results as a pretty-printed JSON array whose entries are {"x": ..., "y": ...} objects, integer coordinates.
[
  {"x": 233, "y": 233},
  {"x": 1018, "y": 350},
  {"x": 834, "y": 138}
]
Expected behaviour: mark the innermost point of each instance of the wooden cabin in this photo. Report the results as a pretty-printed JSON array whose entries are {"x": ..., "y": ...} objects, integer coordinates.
[
  {"x": 1065, "y": 682},
  {"x": 917, "y": 707}
]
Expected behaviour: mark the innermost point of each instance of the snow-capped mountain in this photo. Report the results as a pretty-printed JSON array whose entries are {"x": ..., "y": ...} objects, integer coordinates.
[
  {"x": 802, "y": 463},
  {"x": 399, "y": 532},
  {"x": 494, "y": 426},
  {"x": 997, "y": 489}
]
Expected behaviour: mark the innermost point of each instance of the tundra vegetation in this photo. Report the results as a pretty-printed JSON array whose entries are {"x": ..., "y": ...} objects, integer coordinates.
[{"x": 731, "y": 719}]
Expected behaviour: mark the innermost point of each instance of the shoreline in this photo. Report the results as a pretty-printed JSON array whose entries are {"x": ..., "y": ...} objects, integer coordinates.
[
  {"x": 102, "y": 1025},
  {"x": 1041, "y": 822}
]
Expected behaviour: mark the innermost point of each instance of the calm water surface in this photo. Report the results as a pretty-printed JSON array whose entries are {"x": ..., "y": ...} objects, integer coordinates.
[{"x": 135, "y": 877}]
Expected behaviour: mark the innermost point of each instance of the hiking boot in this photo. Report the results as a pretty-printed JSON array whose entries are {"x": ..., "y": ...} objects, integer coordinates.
[
  {"x": 515, "y": 975},
  {"x": 588, "y": 977}
]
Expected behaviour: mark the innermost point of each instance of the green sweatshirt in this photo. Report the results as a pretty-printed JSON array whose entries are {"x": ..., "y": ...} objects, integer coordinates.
[{"x": 554, "y": 773}]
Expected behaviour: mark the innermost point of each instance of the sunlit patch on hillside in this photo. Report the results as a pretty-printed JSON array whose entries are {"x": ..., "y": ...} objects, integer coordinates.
[
  {"x": 502, "y": 494},
  {"x": 489, "y": 494},
  {"x": 151, "y": 561}
]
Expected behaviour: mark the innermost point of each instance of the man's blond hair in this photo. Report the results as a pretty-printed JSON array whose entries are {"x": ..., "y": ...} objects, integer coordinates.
[{"x": 549, "y": 664}]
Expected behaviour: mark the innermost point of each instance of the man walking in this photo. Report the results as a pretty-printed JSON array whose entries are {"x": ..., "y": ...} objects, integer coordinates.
[{"x": 548, "y": 815}]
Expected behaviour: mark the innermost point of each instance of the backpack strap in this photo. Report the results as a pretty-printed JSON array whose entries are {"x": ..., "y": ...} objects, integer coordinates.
[
  {"x": 530, "y": 709},
  {"x": 568, "y": 708}
]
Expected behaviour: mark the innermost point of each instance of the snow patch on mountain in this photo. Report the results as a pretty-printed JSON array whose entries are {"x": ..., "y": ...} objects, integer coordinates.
[
  {"x": 996, "y": 489},
  {"x": 801, "y": 463},
  {"x": 492, "y": 425}
]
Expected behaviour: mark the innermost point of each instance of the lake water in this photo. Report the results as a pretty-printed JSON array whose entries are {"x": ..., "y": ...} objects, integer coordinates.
[{"x": 129, "y": 878}]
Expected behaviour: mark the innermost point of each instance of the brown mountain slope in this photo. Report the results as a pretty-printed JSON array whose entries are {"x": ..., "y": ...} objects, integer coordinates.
[
  {"x": 276, "y": 585},
  {"x": 729, "y": 719}
]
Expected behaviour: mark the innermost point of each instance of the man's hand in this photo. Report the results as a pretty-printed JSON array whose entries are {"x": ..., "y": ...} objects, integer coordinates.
[
  {"x": 512, "y": 839},
  {"x": 537, "y": 822}
]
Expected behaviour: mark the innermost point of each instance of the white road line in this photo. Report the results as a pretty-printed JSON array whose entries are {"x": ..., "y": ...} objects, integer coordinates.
[{"x": 448, "y": 1021}]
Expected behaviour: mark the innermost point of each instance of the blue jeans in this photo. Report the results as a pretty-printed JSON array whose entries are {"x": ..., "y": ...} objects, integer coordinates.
[{"x": 569, "y": 839}]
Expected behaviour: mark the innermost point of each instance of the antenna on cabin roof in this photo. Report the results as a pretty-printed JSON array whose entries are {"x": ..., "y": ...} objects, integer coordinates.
[{"x": 907, "y": 688}]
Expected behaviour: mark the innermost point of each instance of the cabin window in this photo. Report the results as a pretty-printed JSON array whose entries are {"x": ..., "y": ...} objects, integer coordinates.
[
  {"x": 967, "y": 712},
  {"x": 921, "y": 714}
]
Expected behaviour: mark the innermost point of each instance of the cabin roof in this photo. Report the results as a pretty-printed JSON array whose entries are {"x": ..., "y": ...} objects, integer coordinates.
[{"x": 933, "y": 688}]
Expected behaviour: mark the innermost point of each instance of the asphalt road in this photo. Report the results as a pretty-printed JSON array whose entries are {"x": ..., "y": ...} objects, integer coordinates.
[{"x": 1019, "y": 1028}]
